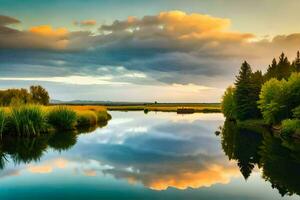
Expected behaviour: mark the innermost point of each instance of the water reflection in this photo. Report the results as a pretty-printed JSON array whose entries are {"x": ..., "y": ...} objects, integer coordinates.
[
  {"x": 277, "y": 159},
  {"x": 153, "y": 156},
  {"x": 27, "y": 150}
]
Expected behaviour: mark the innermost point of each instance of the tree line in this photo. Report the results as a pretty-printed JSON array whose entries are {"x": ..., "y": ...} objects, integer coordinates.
[
  {"x": 35, "y": 95},
  {"x": 273, "y": 96}
]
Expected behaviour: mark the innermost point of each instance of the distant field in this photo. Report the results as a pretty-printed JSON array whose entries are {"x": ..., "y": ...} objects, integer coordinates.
[
  {"x": 162, "y": 107},
  {"x": 170, "y": 107}
]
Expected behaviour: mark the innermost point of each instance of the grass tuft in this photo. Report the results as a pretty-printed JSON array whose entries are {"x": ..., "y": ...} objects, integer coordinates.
[
  {"x": 3, "y": 121},
  {"x": 62, "y": 118},
  {"x": 27, "y": 120},
  {"x": 86, "y": 118}
]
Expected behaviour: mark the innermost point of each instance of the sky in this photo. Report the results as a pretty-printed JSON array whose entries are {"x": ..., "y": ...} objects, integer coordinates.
[{"x": 140, "y": 50}]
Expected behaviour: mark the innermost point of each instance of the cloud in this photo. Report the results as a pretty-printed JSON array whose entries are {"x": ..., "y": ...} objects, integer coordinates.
[
  {"x": 39, "y": 37},
  {"x": 182, "y": 179},
  {"x": 169, "y": 49},
  {"x": 76, "y": 80},
  {"x": 48, "y": 166},
  {"x": 6, "y": 20},
  {"x": 86, "y": 23},
  {"x": 48, "y": 31}
]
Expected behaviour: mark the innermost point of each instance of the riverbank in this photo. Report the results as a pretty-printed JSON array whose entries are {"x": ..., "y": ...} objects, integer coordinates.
[{"x": 33, "y": 120}]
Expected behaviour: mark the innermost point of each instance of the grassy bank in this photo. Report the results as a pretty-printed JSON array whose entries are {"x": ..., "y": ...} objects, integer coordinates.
[
  {"x": 180, "y": 108},
  {"x": 33, "y": 120}
]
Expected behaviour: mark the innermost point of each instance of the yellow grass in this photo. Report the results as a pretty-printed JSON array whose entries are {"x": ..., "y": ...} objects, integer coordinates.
[
  {"x": 168, "y": 107},
  {"x": 87, "y": 108}
]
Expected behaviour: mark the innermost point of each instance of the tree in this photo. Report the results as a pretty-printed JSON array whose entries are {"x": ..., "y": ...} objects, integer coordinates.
[
  {"x": 280, "y": 99},
  {"x": 280, "y": 70},
  {"x": 271, "y": 71},
  {"x": 14, "y": 96},
  {"x": 39, "y": 95},
  {"x": 296, "y": 63},
  {"x": 283, "y": 67},
  {"x": 270, "y": 100},
  {"x": 228, "y": 105},
  {"x": 246, "y": 94}
]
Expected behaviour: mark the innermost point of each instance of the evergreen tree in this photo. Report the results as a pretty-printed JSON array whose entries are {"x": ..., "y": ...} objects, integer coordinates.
[
  {"x": 257, "y": 81},
  {"x": 280, "y": 70},
  {"x": 296, "y": 63},
  {"x": 283, "y": 68},
  {"x": 271, "y": 71},
  {"x": 246, "y": 94}
]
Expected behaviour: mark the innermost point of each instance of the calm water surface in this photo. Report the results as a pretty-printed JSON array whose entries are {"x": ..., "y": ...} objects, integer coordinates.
[{"x": 154, "y": 156}]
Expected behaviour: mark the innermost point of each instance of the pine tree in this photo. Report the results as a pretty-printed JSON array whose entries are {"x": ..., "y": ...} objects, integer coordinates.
[
  {"x": 271, "y": 72},
  {"x": 296, "y": 63},
  {"x": 246, "y": 94},
  {"x": 283, "y": 68}
]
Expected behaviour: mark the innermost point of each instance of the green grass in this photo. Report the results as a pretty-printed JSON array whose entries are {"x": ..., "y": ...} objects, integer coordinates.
[
  {"x": 27, "y": 120},
  {"x": 3, "y": 121},
  {"x": 62, "y": 118},
  {"x": 86, "y": 118},
  {"x": 32, "y": 120},
  {"x": 103, "y": 116}
]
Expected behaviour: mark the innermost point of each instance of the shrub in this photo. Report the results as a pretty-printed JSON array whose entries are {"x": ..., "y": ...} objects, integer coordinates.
[
  {"x": 103, "y": 116},
  {"x": 86, "y": 118},
  {"x": 290, "y": 126},
  {"x": 28, "y": 120},
  {"x": 62, "y": 118},
  {"x": 146, "y": 110}
]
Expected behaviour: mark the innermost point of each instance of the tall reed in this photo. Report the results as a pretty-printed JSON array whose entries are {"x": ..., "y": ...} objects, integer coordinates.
[
  {"x": 62, "y": 118},
  {"x": 86, "y": 118},
  {"x": 27, "y": 120},
  {"x": 3, "y": 121}
]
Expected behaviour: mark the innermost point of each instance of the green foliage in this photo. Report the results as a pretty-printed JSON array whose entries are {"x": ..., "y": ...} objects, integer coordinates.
[
  {"x": 17, "y": 97},
  {"x": 290, "y": 126},
  {"x": 39, "y": 95},
  {"x": 3, "y": 121},
  {"x": 86, "y": 118},
  {"x": 103, "y": 116},
  {"x": 296, "y": 63},
  {"x": 296, "y": 112},
  {"x": 27, "y": 120},
  {"x": 280, "y": 70},
  {"x": 247, "y": 93},
  {"x": 278, "y": 99},
  {"x": 270, "y": 101},
  {"x": 62, "y": 118},
  {"x": 14, "y": 96},
  {"x": 228, "y": 105}
]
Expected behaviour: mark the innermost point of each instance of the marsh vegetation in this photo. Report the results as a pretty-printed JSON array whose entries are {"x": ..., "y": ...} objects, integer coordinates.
[{"x": 27, "y": 113}]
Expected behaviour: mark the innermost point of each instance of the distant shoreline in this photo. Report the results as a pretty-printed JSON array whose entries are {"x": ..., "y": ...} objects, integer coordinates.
[{"x": 180, "y": 108}]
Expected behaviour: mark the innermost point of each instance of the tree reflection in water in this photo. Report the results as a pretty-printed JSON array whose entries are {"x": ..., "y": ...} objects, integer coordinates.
[{"x": 278, "y": 159}]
